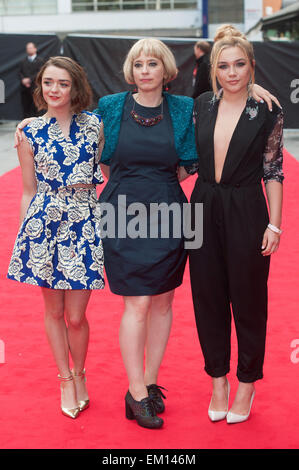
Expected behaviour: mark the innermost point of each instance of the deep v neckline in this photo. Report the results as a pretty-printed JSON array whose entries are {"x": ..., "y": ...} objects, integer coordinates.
[
  {"x": 230, "y": 142},
  {"x": 55, "y": 121}
]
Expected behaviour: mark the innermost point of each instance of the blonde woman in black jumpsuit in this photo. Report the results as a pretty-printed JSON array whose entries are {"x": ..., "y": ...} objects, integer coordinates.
[{"x": 239, "y": 143}]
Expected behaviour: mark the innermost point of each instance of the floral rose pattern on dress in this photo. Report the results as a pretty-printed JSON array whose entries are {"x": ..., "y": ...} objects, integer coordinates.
[{"x": 58, "y": 245}]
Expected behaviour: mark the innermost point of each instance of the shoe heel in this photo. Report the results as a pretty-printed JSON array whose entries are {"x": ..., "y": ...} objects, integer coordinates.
[
  {"x": 70, "y": 412},
  {"x": 129, "y": 412}
]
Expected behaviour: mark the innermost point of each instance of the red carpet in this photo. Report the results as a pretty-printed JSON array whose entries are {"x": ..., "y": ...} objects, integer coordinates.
[{"x": 29, "y": 391}]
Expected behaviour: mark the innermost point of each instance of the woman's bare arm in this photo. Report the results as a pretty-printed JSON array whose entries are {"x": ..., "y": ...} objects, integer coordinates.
[
  {"x": 182, "y": 173},
  {"x": 274, "y": 196},
  {"x": 105, "y": 170},
  {"x": 259, "y": 93}
]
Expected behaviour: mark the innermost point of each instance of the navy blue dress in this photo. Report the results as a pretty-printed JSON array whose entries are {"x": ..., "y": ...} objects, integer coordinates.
[{"x": 144, "y": 170}]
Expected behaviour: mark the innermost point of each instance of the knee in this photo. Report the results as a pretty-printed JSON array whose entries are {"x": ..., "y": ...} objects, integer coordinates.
[
  {"x": 75, "y": 320},
  {"x": 162, "y": 306},
  {"x": 166, "y": 308},
  {"x": 54, "y": 313},
  {"x": 138, "y": 308}
]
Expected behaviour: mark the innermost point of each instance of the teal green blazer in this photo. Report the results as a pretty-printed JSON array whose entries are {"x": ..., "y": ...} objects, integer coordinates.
[{"x": 111, "y": 107}]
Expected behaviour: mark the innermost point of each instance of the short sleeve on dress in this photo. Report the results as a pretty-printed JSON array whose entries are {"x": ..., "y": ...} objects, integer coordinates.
[
  {"x": 273, "y": 153},
  {"x": 100, "y": 111},
  {"x": 97, "y": 116},
  {"x": 96, "y": 123},
  {"x": 101, "y": 142},
  {"x": 33, "y": 144}
]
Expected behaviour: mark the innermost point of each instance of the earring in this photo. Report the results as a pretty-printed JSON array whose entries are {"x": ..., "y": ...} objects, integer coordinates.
[{"x": 249, "y": 87}]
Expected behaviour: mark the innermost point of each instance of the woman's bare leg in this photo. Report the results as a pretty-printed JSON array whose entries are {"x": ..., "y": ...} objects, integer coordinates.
[
  {"x": 241, "y": 403},
  {"x": 158, "y": 331},
  {"x": 76, "y": 302},
  {"x": 132, "y": 337},
  {"x": 56, "y": 332},
  {"x": 219, "y": 395}
]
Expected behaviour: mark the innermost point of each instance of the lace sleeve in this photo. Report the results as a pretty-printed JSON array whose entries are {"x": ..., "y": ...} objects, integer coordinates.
[
  {"x": 273, "y": 153},
  {"x": 192, "y": 168}
]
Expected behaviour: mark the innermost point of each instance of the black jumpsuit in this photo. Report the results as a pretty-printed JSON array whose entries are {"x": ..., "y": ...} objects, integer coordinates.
[{"x": 229, "y": 271}]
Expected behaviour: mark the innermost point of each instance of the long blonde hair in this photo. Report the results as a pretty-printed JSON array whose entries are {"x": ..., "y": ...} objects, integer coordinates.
[{"x": 228, "y": 36}]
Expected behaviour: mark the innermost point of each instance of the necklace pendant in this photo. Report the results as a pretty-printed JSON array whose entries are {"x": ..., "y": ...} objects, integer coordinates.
[{"x": 147, "y": 122}]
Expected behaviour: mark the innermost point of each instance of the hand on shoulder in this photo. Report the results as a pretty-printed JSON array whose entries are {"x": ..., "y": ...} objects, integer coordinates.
[{"x": 19, "y": 130}]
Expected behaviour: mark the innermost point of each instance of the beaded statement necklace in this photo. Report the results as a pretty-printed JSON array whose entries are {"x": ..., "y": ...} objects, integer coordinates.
[{"x": 147, "y": 122}]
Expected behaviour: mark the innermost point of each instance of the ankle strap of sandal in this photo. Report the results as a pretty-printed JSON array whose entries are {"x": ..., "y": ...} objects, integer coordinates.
[
  {"x": 79, "y": 374},
  {"x": 65, "y": 379}
]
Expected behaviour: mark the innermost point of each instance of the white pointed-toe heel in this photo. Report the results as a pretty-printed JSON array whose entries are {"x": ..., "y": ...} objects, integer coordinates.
[
  {"x": 219, "y": 415},
  {"x": 236, "y": 418}
]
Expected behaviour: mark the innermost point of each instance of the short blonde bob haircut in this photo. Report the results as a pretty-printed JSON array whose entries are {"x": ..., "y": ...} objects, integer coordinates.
[
  {"x": 228, "y": 36},
  {"x": 81, "y": 93},
  {"x": 155, "y": 48}
]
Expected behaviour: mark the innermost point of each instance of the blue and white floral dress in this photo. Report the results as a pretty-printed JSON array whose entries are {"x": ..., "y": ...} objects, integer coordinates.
[{"x": 58, "y": 244}]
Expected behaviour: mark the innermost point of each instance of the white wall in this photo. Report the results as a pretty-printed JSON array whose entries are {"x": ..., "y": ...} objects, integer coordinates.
[
  {"x": 253, "y": 12},
  {"x": 64, "y": 6},
  {"x": 102, "y": 21}
]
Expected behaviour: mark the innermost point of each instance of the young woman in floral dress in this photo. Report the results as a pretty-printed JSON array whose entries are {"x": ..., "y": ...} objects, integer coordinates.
[{"x": 58, "y": 247}]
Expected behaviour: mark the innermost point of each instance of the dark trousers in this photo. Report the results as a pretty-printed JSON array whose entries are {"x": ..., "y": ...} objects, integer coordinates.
[
  {"x": 29, "y": 109},
  {"x": 229, "y": 276}
]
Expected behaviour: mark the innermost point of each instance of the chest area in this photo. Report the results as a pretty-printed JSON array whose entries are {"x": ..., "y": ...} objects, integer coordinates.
[
  {"x": 226, "y": 127},
  {"x": 140, "y": 145},
  {"x": 231, "y": 129},
  {"x": 67, "y": 146},
  {"x": 229, "y": 141}
]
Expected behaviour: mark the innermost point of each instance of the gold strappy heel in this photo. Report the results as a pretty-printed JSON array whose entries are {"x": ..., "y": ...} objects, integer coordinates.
[
  {"x": 83, "y": 404},
  {"x": 70, "y": 412}
]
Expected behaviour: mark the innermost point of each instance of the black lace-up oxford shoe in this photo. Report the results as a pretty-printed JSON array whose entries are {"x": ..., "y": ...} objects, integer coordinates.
[
  {"x": 155, "y": 393},
  {"x": 143, "y": 411}
]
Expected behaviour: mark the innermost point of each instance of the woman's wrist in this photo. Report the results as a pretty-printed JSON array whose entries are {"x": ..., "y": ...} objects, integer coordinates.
[{"x": 274, "y": 228}]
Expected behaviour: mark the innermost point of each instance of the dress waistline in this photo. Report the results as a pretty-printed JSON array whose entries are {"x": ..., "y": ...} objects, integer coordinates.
[
  {"x": 214, "y": 184},
  {"x": 65, "y": 189}
]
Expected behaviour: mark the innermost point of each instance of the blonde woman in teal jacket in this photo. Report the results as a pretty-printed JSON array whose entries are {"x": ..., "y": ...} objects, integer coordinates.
[{"x": 149, "y": 148}]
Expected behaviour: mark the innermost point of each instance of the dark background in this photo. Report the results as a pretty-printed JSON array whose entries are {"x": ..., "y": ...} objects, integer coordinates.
[
  {"x": 12, "y": 52},
  {"x": 277, "y": 66}
]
